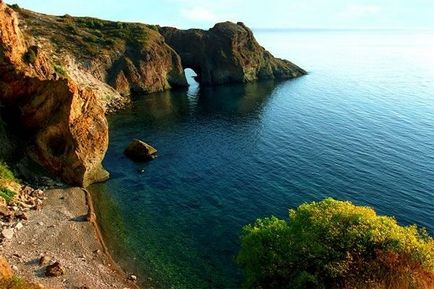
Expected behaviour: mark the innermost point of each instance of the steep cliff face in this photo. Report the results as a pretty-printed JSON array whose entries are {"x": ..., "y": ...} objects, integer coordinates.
[
  {"x": 114, "y": 59},
  {"x": 64, "y": 125},
  {"x": 227, "y": 53}
]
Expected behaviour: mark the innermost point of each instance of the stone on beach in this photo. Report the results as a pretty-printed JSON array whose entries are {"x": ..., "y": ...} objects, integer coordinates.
[
  {"x": 8, "y": 233},
  {"x": 54, "y": 270},
  {"x": 44, "y": 260}
]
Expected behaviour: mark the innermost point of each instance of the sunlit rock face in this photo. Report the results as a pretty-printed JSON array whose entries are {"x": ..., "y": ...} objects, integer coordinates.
[{"x": 63, "y": 125}]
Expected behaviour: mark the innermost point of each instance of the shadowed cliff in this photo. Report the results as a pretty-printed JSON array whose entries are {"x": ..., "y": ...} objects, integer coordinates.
[{"x": 227, "y": 53}]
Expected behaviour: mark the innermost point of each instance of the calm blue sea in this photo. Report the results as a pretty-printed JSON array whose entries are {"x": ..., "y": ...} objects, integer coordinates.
[{"x": 359, "y": 127}]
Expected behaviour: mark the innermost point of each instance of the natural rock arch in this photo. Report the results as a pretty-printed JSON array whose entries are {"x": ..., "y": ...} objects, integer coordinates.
[{"x": 227, "y": 53}]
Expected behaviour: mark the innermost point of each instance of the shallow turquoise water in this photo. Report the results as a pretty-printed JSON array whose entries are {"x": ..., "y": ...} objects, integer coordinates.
[{"x": 359, "y": 127}]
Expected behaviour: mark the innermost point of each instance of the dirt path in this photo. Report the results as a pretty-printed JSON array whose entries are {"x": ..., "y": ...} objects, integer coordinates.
[{"x": 61, "y": 231}]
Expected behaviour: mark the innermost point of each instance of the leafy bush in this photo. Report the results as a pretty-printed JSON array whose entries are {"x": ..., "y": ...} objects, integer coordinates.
[
  {"x": 30, "y": 56},
  {"x": 15, "y": 7},
  {"x": 7, "y": 194},
  {"x": 334, "y": 244},
  {"x": 97, "y": 33},
  {"x": 5, "y": 172},
  {"x": 60, "y": 70},
  {"x": 91, "y": 38},
  {"x": 71, "y": 28}
]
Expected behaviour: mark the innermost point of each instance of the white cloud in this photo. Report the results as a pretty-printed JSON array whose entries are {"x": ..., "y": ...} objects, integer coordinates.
[{"x": 199, "y": 14}]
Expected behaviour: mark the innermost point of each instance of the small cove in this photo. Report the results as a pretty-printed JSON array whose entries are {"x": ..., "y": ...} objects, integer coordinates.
[{"x": 359, "y": 127}]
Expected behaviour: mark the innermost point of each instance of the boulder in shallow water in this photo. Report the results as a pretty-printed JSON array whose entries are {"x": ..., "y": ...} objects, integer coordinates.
[{"x": 140, "y": 151}]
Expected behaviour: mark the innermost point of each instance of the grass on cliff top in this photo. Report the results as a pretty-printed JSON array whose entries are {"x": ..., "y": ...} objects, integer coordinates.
[
  {"x": 335, "y": 244},
  {"x": 86, "y": 36}
]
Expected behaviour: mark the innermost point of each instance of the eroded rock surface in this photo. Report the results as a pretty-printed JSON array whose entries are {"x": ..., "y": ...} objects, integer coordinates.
[
  {"x": 64, "y": 125},
  {"x": 114, "y": 59},
  {"x": 227, "y": 53}
]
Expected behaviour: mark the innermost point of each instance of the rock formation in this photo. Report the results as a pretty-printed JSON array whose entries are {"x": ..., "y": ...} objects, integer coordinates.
[
  {"x": 227, "y": 53},
  {"x": 64, "y": 125},
  {"x": 114, "y": 59},
  {"x": 140, "y": 151},
  {"x": 59, "y": 75}
]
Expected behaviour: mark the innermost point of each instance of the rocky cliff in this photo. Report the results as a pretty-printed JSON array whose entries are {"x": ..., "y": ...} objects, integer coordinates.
[
  {"x": 59, "y": 75},
  {"x": 114, "y": 59},
  {"x": 227, "y": 53},
  {"x": 63, "y": 125}
]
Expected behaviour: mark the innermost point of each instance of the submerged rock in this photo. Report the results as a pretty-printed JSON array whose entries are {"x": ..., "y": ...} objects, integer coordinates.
[{"x": 140, "y": 151}]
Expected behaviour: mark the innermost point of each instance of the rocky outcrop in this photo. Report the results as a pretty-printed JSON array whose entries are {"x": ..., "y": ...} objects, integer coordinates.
[
  {"x": 60, "y": 75},
  {"x": 114, "y": 59},
  {"x": 64, "y": 125},
  {"x": 140, "y": 151},
  {"x": 227, "y": 53}
]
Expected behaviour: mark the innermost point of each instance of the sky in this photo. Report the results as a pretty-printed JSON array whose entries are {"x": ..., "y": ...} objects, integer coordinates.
[{"x": 282, "y": 14}]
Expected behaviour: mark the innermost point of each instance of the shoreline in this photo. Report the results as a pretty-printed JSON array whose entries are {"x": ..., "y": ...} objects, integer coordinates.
[
  {"x": 65, "y": 230},
  {"x": 92, "y": 219}
]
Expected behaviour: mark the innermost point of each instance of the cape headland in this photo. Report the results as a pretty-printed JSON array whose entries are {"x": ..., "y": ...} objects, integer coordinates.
[{"x": 60, "y": 75}]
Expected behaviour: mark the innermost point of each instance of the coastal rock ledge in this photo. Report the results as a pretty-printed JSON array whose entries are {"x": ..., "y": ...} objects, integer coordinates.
[
  {"x": 227, "y": 53},
  {"x": 60, "y": 75}
]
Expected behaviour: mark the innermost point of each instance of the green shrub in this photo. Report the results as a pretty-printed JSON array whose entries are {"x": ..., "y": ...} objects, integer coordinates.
[
  {"x": 17, "y": 282},
  {"x": 60, "y": 71},
  {"x": 7, "y": 194},
  {"x": 71, "y": 28},
  {"x": 5, "y": 172},
  {"x": 15, "y": 7},
  {"x": 91, "y": 38},
  {"x": 334, "y": 244},
  {"x": 30, "y": 56},
  {"x": 109, "y": 42},
  {"x": 97, "y": 33}
]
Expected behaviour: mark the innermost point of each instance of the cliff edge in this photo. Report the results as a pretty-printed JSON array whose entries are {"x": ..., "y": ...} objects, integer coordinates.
[{"x": 62, "y": 124}]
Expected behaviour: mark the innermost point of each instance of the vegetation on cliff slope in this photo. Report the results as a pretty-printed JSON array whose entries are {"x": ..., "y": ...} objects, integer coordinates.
[
  {"x": 8, "y": 183},
  {"x": 87, "y": 36},
  {"x": 335, "y": 244},
  {"x": 5, "y": 172},
  {"x": 9, "y": 280}
]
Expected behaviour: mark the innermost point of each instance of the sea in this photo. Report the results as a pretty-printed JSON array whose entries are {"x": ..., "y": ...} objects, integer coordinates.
[{"x": 358, "y": 127}]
